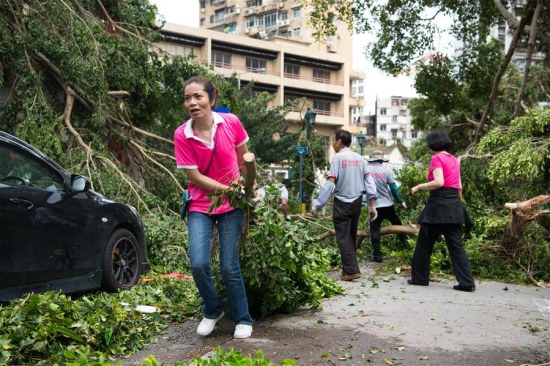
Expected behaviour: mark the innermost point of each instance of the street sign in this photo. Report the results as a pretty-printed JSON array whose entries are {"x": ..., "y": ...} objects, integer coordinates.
[{"x": 300, "y": 150}]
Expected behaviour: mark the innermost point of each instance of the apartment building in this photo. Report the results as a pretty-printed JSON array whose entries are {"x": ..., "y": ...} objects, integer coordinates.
[
  {"x": 270, "y": 43},
  {"x": 393, "y": 122}
]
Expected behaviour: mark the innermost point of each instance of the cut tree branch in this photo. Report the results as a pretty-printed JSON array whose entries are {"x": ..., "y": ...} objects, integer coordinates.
[{"x": 250, "y": 174}]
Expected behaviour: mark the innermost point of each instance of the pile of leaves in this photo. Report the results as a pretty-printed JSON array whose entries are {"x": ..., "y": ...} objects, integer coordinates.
[{"x": 50, "y": 328}]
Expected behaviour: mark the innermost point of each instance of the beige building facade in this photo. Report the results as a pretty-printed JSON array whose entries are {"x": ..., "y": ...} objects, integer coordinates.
[{"x": 270, "y": 43}]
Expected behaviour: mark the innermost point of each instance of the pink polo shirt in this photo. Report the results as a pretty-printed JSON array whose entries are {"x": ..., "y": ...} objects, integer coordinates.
[
  {"x": 217, "y": 159},
  {"x": 451, "y": 169}
]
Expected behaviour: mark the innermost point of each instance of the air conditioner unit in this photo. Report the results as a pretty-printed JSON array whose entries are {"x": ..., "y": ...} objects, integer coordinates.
[
  {"x": 403, "y": 108},
  {"x": 329, "y": 44},
  {"x": 263, "y": 34},
  {"x": 285, "y": 23},
  {"x": 280, "y": 5},
  {"x": 237, "y": 11},
  {"x": 247, "y": 30},
  {"x": 248, "y": 11},
  {"x": 202, "y": 10}
]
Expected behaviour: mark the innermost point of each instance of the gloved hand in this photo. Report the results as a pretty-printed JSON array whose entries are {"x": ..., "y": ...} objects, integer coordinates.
[
  {"x": 404, "y": 204},
  {"x": 373, "y": 214},
  {"x": 254, "y": 201},
  {"x": 315, "y": 211}
]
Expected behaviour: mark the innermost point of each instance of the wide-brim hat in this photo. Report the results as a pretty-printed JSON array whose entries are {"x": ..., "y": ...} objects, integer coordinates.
[{"x": 377, "y": 155}]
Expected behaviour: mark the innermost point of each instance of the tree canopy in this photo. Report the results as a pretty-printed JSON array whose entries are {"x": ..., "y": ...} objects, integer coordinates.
[
  {"x": 87, "y": 84},
  {"x": 404, "y": 39}
]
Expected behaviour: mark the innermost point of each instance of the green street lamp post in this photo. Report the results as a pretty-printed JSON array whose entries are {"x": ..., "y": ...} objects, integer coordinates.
[
  {"x": 361, "y": 140},
  {"x": 310, "y": 121}
]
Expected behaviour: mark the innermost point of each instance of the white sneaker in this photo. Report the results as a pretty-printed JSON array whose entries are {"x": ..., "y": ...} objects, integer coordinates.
[
  {"x": 206, "y": 325},
  {"x": 243, "y": 331}
]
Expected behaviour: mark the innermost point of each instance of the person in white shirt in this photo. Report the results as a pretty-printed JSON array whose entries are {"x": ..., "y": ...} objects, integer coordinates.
[
  {"x": 386, "y": 187},
  {"x": 287, "y": 184},
  {"x": 348, "y": 179}
]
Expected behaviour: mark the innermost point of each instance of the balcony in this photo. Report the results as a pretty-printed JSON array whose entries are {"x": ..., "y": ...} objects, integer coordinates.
[{"x": 356, "y": 102}]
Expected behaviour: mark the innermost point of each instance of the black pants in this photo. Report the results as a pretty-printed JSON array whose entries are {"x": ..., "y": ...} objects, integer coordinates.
[
  {"x": 345, "y": 217},
  {"x": 384, "y": 213},
  {"x": 427, "y": 236}
]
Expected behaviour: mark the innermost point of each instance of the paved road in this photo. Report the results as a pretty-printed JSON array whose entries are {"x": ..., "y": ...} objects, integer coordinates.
[{"x": 385, "y": 321}]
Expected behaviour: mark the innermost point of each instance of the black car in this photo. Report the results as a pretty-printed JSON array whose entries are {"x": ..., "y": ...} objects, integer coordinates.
[{"x": 58, "y": 234}]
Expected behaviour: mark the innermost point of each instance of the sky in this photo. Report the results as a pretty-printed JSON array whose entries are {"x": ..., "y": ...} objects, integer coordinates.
[{"x": 377, "y": 83}]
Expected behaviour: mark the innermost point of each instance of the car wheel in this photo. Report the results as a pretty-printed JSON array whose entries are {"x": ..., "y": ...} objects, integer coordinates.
[{"x": 121, "y": 269}]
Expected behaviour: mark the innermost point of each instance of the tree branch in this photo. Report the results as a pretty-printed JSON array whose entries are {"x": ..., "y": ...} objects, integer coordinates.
[
  {"x": 496, "y": 81},
  {"x": 530, "y": 49}
]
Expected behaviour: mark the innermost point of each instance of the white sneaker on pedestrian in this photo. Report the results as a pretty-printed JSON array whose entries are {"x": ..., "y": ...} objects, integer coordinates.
[
  {"x": 242, "y": 331},
  {"x": 206, "y": 325}
]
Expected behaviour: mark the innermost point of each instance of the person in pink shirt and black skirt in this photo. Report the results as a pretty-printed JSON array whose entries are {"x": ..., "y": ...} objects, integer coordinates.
[{"x": 444, "y": 214}]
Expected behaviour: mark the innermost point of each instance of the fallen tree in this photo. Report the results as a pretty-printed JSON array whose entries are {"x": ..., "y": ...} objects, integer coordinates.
[
  {"x": 513, "y": 242},
  {"x": 411, "y": 229}
]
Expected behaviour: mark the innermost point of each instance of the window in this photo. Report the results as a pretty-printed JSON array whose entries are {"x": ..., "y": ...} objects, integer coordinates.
[
  {"x": 321, "y": 76},
  {"x": 15, "y": 163},
  {"x": 382, "y": 127},
  {"x": 322, "y": 107},
  {"x": 284, "y": 15},
  {"x": 404, "y": 134},
  {"x": 212, "y": 19},
  {"x": 414, "y": 134},
  {"x": 221, "y": 59},
  {"x": 179, "y": 50},
  {"x": 382, "y": 111},
  {"x": 255, "y": 22},
  {"x": 231, "y": 28},
  {"x": 250, "y": 3},
  {"x": 296, "y": 32},
  {"x": 256, "y": 65},
  {"x": 270, "y": 19},
  {"x": 292, "y": 103},
  {"x": 394, "y": 119},
  {"x": 292, "y": 71},
  {"x": 219, "y": 15},
  {"x": 202, "y": 21},
  {"x": 296, "y": 13},
  {"x": 393, "y": 133}
]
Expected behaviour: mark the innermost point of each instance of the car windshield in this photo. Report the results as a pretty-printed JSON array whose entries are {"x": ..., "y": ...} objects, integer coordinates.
[{"x": 17, "y": 168}]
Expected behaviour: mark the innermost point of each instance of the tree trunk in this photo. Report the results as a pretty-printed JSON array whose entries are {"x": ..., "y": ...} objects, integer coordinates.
[
  {"x": 522, "y": 214},
  {"x": 385, "y": 230},
  {"x": 512, "y": 242}
]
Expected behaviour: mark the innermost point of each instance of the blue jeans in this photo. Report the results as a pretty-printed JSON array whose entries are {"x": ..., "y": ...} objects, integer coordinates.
[{"x": 200, "y": 251}]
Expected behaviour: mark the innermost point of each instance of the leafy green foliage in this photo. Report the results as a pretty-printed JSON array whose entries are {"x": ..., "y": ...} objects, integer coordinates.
[
  {"x": 521, "y": 152},
  {"x": 283, "y": 267},
  {"x": 233, "y": 358},
  {"x": 48, "y": 328}
]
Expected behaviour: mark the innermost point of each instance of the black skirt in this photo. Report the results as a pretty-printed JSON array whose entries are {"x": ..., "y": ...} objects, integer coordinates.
[{"x": 444, "y": 206}]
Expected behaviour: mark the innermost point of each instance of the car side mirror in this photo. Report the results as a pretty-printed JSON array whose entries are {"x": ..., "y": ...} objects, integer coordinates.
[{"x": 79, "y": 184}]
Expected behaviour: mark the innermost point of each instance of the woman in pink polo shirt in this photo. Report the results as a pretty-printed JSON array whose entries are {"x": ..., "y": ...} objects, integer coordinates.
[
  {"x": 444, "y": 214},
  {"x": 209, "y": 147}
]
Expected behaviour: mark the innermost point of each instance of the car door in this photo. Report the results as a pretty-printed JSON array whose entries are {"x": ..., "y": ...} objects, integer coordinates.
[{"x": 48, "y": 227}]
